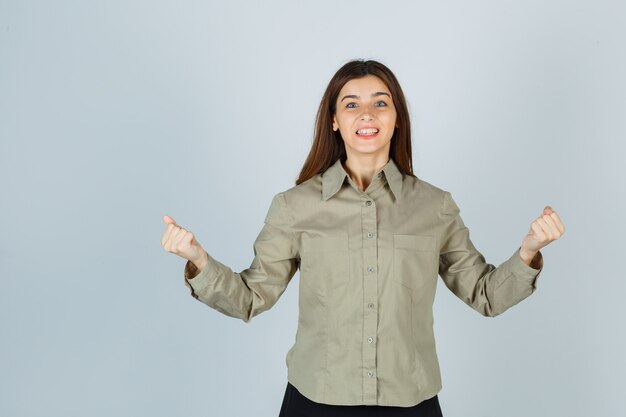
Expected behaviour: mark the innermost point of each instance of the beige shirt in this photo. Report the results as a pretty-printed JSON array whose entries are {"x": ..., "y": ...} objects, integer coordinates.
[{"x": 368, "y": 264}]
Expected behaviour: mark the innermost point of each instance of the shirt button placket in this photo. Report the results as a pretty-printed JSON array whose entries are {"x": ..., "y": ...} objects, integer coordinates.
[{"x": 370, "y": 299}]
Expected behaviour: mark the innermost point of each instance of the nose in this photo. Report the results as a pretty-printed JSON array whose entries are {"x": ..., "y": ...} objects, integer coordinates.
[
  {"x": 367, "y": 115},
  {"x": 368, "y": 112}
]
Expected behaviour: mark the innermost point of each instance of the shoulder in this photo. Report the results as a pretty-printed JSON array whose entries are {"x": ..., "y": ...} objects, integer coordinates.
[
  {"x": 441, "y": 198},
  {"x": 423, "y": 188},
  {"x": 287, "y": 203},
  {"x": 304, "y": 193},
  {"x": 425, "y": 193}
]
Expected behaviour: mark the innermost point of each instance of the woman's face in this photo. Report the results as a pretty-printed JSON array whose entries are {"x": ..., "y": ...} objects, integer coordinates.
[{"x": 365, "y": 116}]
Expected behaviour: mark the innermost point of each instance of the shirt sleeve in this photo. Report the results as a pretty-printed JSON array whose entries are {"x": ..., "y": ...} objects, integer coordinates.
[
  {"x": 488, "y": 289},
  {"x": 248, "y": 293}
]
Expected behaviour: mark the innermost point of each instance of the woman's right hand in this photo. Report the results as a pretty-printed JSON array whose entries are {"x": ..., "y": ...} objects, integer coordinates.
[{"x": 182, "y": 242}]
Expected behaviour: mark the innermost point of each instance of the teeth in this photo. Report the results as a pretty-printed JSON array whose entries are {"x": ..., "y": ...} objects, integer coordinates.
[{"x": 369, "y": 131}]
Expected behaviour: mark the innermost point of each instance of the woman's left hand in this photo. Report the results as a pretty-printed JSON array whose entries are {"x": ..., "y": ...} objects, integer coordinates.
[{"x": 545, "y": 229}]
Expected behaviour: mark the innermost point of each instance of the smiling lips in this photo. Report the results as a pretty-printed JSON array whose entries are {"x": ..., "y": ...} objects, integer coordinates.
[{"x": 367, "y": 132}]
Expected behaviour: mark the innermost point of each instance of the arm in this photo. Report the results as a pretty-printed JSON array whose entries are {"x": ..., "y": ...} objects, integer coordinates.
[
  {"x": 256, "y": 289},
  {"x": 488, "y": 289}
]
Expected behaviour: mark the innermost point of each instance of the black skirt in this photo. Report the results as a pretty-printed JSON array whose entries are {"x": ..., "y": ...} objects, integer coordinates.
[{"x": 297, "y": 405}]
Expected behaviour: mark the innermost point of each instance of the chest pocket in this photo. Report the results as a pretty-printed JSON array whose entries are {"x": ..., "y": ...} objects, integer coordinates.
[
  {"x": 413, "y": 260},
  {"x": 325, "y": 262}
]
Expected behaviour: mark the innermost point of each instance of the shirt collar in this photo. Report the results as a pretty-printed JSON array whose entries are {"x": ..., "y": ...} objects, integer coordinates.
[{"x": 334, "y": 177}]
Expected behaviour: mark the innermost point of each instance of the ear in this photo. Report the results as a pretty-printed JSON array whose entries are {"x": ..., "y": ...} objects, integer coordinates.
[{"x": 335, "y": 127}]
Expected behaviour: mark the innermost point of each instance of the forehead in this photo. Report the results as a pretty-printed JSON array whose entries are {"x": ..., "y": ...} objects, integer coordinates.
[{"x": 364, "y": 86}]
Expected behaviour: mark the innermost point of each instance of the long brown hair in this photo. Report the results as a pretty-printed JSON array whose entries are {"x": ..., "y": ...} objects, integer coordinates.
[{"x": 328, "y": 145}]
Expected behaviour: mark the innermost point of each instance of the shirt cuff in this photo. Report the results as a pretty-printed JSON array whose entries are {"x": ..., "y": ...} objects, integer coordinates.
[
  {"x": 197, "y": 281},
  {"x": 518, "y": 268}
]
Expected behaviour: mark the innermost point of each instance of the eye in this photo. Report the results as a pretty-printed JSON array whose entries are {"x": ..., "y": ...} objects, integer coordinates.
[
  {"x": 348, "y": 105},
  {"x": 381, "y": 102}
]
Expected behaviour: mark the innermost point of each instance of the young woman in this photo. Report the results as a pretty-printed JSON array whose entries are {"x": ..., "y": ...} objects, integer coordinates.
[{"x": 370, "y": 240}]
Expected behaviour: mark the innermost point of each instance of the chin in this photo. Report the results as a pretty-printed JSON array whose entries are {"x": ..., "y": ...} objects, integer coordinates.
[
  {"x": 367, "y": 147},
  {"x": 366, "y": 151}
]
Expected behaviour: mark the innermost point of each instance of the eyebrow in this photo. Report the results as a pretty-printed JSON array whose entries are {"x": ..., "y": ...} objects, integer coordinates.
[{"x": 376, "y": 94}]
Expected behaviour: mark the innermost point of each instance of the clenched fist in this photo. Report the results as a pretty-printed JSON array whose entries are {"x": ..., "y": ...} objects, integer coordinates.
[
  {"x": 545, "y": 229},
  {"x": 183, "y": 243}
]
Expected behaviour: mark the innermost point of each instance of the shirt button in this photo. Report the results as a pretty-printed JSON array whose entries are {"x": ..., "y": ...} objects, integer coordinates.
[
  {"x": 370, "y": 374},
  {"x": 369, "y": 339},
  {"x": 368, "y": 203},
  {"x": 370, "y": 269},
  {"x": 370, "y": 234},
  {"x": 371, "y": 305}
]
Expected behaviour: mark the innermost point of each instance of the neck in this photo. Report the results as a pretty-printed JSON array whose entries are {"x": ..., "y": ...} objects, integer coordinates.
[{"x": 362, "y": 169}]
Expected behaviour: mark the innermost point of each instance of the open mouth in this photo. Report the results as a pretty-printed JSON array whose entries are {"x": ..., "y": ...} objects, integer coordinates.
[{"x": 367, "y": 133}]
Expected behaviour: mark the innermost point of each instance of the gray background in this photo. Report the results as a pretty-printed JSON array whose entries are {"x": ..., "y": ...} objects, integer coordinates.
[{"x": 115, "y": 113}]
